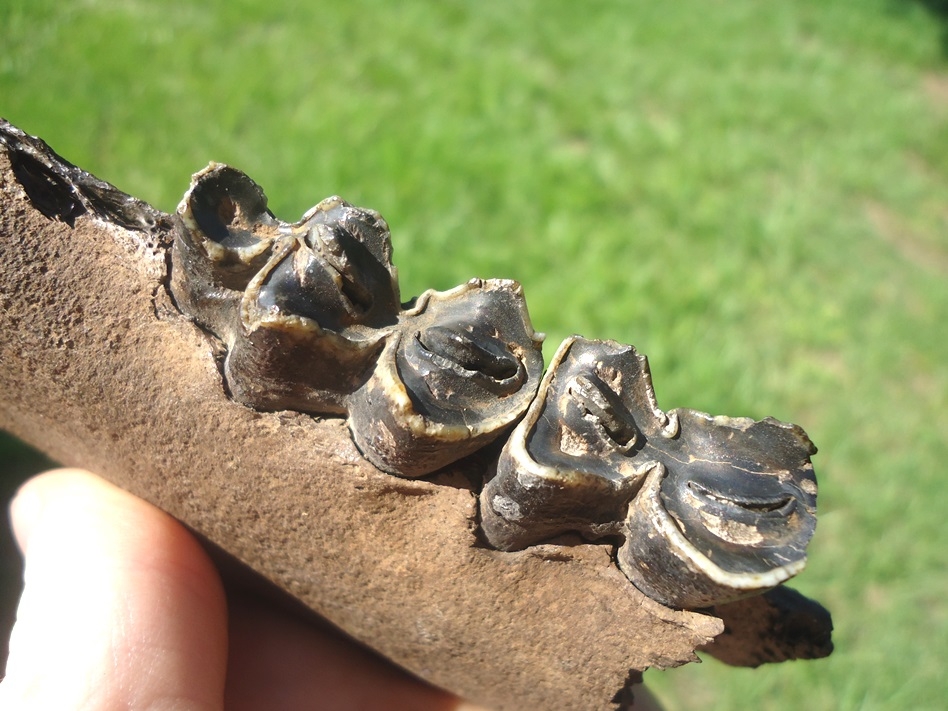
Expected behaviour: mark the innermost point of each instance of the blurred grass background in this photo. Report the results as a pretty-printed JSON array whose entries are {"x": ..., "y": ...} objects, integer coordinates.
[{"x": 754, "y": 194}]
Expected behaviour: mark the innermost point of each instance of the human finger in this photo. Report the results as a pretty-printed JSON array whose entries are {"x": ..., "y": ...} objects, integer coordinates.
[
  {"x": 121, "y": 606},
  {"x": 277, "y": 662}
]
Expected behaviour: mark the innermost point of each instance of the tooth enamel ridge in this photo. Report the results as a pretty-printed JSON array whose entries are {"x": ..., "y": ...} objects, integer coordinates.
[{"x": 702, "y": 510}]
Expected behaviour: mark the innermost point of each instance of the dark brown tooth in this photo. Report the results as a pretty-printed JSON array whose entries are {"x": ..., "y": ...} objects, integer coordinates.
[
  {"x": 304, "y": 309},
  {"x": 224, "y": 235},
  {"x": 460, "y": 370},
  {"x": 484, "y": 356},
  {"x": 703, "y": 517},
  {"x": 603, "y": 408}
]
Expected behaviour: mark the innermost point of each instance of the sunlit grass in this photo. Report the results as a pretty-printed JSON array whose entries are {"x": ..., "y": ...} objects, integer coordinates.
[{"x": 751, "y": 193}]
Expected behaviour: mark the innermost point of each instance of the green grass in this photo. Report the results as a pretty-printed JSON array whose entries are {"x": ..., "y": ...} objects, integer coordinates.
[{"x": 752, "y": 193}]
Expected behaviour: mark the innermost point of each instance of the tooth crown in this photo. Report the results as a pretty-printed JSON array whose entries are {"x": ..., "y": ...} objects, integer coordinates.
[
  {"x": 224, "y": 236},
  {"x": 462, "y": 368},
  {"x": 567, "y": 465},
  {"x": 707, "y": 509},
  {"x": 311, "y": 318},
  {"x": 703, "y": 509}
]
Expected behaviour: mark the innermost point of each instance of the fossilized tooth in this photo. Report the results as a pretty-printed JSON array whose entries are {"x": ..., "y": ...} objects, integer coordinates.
[
  {"x": 571, "y": 464},
  {"x": 460, "y": 370},
  {"x": 337, "y": 271},
  {"x": 728, "y": 512},
  {"x": 289, "y": 362},
  {"x": 224, "y": 236},
  {"x": 711, "y": 509},
  {"x": 299, "y": 306},
  {"x": 314, "y": 318}
]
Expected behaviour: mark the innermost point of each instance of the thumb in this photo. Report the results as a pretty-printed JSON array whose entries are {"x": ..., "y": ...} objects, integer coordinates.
[{"x": 121, "y": 607}]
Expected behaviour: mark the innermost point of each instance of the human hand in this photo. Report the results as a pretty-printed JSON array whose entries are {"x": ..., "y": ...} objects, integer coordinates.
[{"x": 123, "y": 609}]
